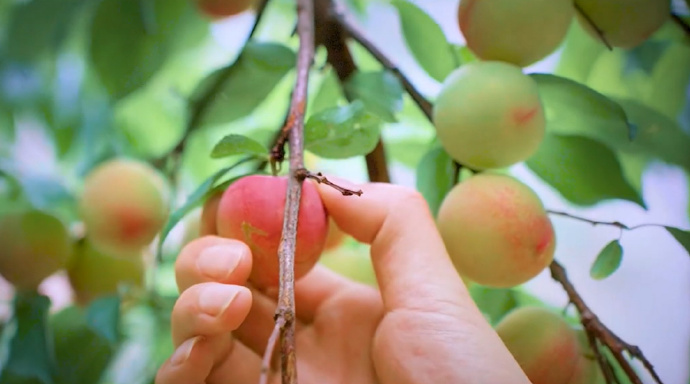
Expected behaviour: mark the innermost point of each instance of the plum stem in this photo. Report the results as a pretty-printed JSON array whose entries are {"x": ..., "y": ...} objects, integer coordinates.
[{"x": 596, "y": 330}]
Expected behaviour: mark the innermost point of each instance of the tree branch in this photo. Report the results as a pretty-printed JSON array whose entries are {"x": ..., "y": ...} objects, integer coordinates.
[
  {"x": 596, "y": 329},
  {"x": 616, "y": 224},
  {"x": 353, "y": 31},
  {"x": 285, "y": 312}
]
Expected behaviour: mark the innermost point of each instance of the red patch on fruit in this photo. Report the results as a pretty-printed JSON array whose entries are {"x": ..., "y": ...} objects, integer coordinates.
[
  {"x": 523, "y": 116},
  {"x": 132, "y": 224}
]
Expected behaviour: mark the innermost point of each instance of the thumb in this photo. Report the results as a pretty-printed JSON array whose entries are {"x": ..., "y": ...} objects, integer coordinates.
[{"x": 412, "y": 266}]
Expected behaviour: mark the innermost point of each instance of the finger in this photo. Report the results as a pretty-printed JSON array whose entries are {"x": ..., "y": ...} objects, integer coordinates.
[
  {"x": 213, "y": 258},
  {"x": 210, "y": 360},
  {"x": 312, "y": 290},
  {"x": 412, "y": 266},
  {"x": 256, "y": 329},
  {"x": 209, "y": 309}
]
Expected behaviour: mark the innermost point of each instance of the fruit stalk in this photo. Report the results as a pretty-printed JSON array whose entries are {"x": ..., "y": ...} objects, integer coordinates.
[
  {"x": 594, "y": 327},
  {"x": 294, "y": 127}
]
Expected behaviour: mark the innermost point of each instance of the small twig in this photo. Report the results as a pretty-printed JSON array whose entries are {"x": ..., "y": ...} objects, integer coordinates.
[
  {"x": 606, "y": 368},
  {"x": 354, "y": 32},
  {"x": 681, "y": 23},
  {"x": 594, "y": 327},
  {"x": 321, "y": 179},
  {"x": 616, "y": 224},
  {"x": 268, "y": 354},
  {"x": 596, "y": 28},
  {"x": 457, "y": 168},
  {"x": 377, "y": 165},
  {"x": 285, "y": 312}
]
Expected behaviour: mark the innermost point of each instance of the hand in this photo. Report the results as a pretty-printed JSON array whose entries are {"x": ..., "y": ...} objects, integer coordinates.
[{"x": 421, "y": 326}]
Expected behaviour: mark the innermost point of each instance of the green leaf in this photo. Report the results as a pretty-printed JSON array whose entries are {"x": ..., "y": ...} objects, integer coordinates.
[
  {"x": 82, "y": 353},
  {"x": 342, "y": 132},
  {"x": 584, "y": 171},
  {"x": 30, "y": 357},
  {"x": 329, "y": 95},
  {"x": 681, "y": 236},
  {"x": 131, "y": 40},
  {"x": 435, "y": 177},
  {"x": 37, "y": 27},
  {"x": 235, "y": 144},
  {"x": 380, "y": 91},
  {"x": 235, "y": 91},
  {"x": 426, "y": 40},
  {"x": 497, "y": 302},
  {"x": 103, "y": 316},
  {"x": 198, "y": 197},
  {"x": 670, "y": 80},
  {"x": 608, "y": 261},
  {"x": 575, "y": 109},
  {"x": 47, "y": 192}
]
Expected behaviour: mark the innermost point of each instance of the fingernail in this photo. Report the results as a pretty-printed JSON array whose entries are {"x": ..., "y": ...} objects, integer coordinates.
[
  {"x": 215, "y": 299},
  {"x": 183, "y": 351},
  {"x": 219, "y": 261}
]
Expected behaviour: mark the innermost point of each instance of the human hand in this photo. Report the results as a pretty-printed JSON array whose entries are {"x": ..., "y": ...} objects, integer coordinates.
[{"x": 420, "y": 326}]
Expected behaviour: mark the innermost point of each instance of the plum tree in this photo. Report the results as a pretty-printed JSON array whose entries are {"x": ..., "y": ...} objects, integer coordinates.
[
  {"x": 209, "y": 215},
  {"x": 624, "y": 23},
  {"x": 94, "y": 274},
  {"x": 252, "y": 210},
  {"x": 546, "y": 347},
  {"x": 489, "y": 115},
  {"x": 520, "y": 32},
  {"x": 34, "y": 245},
  {"x": 496, "y": 230},
  {"x": 223, "y": 8},
  {"x": 123, "y": 206}
]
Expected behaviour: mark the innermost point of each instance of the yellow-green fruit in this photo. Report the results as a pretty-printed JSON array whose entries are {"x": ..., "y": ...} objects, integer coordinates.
[
  {"x": 545, "y": 346},
  {"x": 521, "y": 32},
  {"x": 33, "y": 246},
  {"x": 624, "y": 23},
  {"x": 123, "y": 206},
  {"x": 94, "y": 274},
  {"x": 489, "y": 115},
  {"x": 496, "y": 230}
]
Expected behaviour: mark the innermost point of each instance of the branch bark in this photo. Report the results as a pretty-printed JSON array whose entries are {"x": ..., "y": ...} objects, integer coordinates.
[
  {"x": 596, "y": 329},
  {"x": 285, "y": 312}
]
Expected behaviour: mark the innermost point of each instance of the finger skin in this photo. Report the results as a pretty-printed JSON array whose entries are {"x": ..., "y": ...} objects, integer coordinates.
[
  {"x": 412, "y": 266},
  {"x": 191, "y": 318},
  {"x": 194, "y": 369},
  {"x": 229, "y": 262}
]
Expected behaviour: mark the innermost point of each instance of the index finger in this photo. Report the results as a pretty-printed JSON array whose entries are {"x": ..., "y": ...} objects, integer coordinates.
[{"x": 412, "y": 266}]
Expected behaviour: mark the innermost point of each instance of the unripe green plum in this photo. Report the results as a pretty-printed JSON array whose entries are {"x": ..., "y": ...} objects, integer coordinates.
[
  {"x": 217, "y": 9},
  {"x": 94, "y": 274},
  {"x": 33, "y": 246},
  {"x": 252, "y": 210},
  {"x": 624, "y": 23},
  {"x": 123, "y": 206},
  {"x": 496, "y": 230},
  {"x": 489, "y": 115},
  {"x": 520, "y": 32},
  {"x": 546, "y": 347}
]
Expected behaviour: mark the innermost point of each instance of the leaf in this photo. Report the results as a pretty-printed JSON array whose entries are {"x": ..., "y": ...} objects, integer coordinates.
[
  {"x": 37, "y": 27},
  {"x": 194, "y": 200},
  {"x": 670, "y": 80},
  {"x": 235, "y": 91},
  {"x": 380, "y": 91},
  {"x": 584, "y": 171},
  {"x": 426, "y": 40},
  {"x": 575, "y": 109},
  {"x": 235, "y": 144},
  {"x": 681, "y": 236},
  {"x": 103, "y": 316},
  {"x": 497, "y": 302},
  {"x": 131, "y": 39},
  {"x": 608, "y": 261},
  {"x": 82, "y": 353},
  {"x": 329, "y": 95},
  {"x": 435, "y": 177},
  {"x": 30, "y": 358},
  {"x": 342, "y": 132}
]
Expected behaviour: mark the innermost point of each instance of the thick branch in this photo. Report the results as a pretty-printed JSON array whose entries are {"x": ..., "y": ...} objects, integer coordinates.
[
  {"x": 285, "y": 312},
  {"x": 353, "y": 31},
  {"x": 332, "y": 35},
  {"x": 595, "y": 328}
]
